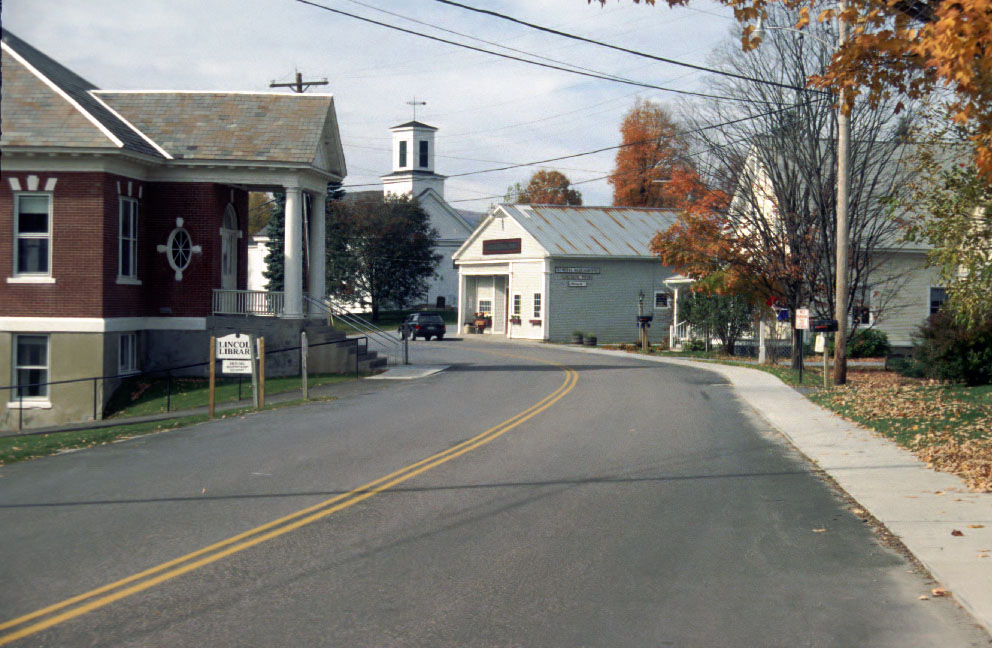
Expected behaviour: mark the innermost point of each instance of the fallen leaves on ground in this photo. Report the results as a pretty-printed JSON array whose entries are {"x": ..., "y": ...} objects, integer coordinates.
[{"x": 951, "y": 433}]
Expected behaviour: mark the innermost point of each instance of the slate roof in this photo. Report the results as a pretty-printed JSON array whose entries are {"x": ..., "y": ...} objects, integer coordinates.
[
  {"x": 228, "y": 126},
  {"x": 592, "y": 231},
  {"x": 34, "y": 114},
  {"x": 39, "y": 111}
]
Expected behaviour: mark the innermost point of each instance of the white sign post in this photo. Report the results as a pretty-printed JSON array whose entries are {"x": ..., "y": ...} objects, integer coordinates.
[
  {"x": 235, "y": 366},
  {"x": 802, "y": 319},
  {"x": 235, "y": 351},
  {"x": 234, "y": 347}
]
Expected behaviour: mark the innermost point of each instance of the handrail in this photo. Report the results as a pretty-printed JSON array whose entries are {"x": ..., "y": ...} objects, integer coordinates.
[
  {"x": 393, "y": 346},
  {"x": 247, "y": 302}
]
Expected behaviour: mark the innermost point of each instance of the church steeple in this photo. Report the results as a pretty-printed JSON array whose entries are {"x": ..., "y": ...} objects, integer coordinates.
[{"x": 413, "y": 161}]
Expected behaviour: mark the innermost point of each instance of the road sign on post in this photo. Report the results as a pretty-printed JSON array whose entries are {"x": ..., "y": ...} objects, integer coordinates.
[{"x": 802, "y": 318}]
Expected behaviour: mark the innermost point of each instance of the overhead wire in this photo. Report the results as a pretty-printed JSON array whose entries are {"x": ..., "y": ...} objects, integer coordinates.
[
  {"x": 608, "y": 148},
  {"x": 618, "y": 48},
  {"x": 601, "y": 76}
]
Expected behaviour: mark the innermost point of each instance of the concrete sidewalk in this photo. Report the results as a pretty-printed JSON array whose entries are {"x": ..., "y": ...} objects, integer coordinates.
[{"x": 922, "y": 507}]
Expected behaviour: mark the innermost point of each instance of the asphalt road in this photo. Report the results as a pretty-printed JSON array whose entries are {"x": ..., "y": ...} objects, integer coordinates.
[{"x": 569, "y": 500}]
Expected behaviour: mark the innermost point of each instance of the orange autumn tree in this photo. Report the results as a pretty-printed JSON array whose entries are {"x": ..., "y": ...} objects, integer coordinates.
[
  {"x": 545, "y": 188},
  {"x": 651, "y": 150},
  {"x": 915, "y": 48},
  {"x": 699, "y": 244}
]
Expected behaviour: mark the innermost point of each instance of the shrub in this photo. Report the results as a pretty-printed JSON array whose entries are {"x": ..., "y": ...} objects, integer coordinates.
[
  {"x": 863, "y": 343},
  {"x": 868, "y": 343},
  {"x": 946, "y": 350},
  {"x": 694, "y": 345}
]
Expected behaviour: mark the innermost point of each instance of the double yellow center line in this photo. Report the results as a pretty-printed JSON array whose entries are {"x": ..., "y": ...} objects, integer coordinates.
[{"x": 71, "y": 608}]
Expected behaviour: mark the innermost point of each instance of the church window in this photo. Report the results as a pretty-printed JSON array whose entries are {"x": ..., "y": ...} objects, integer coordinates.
[
  {"x": 402, "y": 154},
  {"x": 423, "y": 154}
]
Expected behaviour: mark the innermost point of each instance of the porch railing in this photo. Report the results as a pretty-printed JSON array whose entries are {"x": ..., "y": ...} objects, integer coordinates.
[
  {"x": 247, "y": 302},
  {"x": 679, "y": 333}
]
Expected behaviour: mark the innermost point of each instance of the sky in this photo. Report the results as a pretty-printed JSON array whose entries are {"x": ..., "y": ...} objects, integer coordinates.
[{"x": 490, "y": 112}]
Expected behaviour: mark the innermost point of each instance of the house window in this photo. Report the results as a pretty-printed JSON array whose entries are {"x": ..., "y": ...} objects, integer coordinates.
[
  {"x": 537, "y": 305},
  {"x": 31, "y": 366},
  {"x": 485, "y": 306},
  {"x": 937, "y": 298},
  {"x": 33, "y": 234},
  {"x": 662, "y": 300},
  {"x": 127, "y": 355},
  {"x": 423, "y": 154},
  {"x": 128, "y": 240},
  {"x": 402, "y": 154},
  {"x": 861, "y": 314},
  {"x": 517, "y": 305}
]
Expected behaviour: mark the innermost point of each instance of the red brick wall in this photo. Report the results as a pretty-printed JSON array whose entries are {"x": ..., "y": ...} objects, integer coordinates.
[
  {"x": 124, "y": 300},
  {"x": 84, "y": 252},
  {"x": 201, "y": 206},
  {"x": 76, "y": 248}
]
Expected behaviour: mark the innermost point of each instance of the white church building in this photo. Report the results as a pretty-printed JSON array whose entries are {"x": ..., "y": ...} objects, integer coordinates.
[{"x": 413, "y": 174}]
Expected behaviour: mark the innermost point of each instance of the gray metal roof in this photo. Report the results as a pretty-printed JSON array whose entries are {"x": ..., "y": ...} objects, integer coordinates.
[{"x": 592, "y": 231}]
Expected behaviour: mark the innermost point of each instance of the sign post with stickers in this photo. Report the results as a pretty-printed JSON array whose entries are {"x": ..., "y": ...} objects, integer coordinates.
[
  {"x": 802, "y": 325},
  {"x": 235, "y": 352}
]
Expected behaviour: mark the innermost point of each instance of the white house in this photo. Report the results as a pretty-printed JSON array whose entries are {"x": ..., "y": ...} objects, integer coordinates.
[
  {"x": 413, "y": 174},
  {"x": 899, "y": 290},
  {"x": 541, "y": 272}
]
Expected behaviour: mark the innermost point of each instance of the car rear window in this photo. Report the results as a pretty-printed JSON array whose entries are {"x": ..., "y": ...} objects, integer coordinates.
[{"x": 431, "y": 319}]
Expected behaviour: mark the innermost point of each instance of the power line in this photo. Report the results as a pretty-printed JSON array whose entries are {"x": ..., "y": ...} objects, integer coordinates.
[
  {"x": 592, "y": 75},
  {"x": 591, "y": 41},
  {"x": 609, "y": 148},
  {"x": 481, "y": 40}
]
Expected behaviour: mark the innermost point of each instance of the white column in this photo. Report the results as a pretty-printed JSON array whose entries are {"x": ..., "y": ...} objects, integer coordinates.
[
  {"x": 293, "y": 251},
  {"x": 461, "y": 304},
  {"x": 317, "y": 277}
]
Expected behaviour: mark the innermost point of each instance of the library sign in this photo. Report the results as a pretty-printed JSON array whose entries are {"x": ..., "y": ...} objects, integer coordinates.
[
  {"x": 235, "y": 351},
  {"x": 576, "y": 276}
]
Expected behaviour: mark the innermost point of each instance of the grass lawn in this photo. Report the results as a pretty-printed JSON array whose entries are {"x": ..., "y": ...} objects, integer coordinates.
[
  {"x": 142, "y": 396},
  {"x": 29, "y": 447},
  {"x": 948, "y": 426}
]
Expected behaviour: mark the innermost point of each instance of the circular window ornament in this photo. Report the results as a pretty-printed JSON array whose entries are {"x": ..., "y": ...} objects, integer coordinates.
[{"x": 179, "y": 249}]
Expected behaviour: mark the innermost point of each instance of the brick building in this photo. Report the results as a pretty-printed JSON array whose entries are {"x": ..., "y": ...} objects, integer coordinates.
[{"x": 123, "y": 219}]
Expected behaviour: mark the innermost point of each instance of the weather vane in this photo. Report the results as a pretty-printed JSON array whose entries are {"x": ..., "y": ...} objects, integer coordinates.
[{"x": 415, "y": 103}]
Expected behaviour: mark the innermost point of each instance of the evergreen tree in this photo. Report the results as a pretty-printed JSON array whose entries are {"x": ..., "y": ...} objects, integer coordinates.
[{"x": 275, "y": 260}]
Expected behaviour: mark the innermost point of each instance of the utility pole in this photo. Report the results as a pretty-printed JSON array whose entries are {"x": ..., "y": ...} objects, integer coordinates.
[
  {"x": 299, "y": 86},
  {"x": 843, "y": 178}
]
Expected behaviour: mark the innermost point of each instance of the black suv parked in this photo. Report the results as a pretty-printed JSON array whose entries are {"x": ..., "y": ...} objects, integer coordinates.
[{"x": 422, "y": 325}]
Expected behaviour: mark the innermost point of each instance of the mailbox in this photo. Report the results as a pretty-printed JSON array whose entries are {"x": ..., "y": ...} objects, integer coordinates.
[
  {"x": 823, "y": 326},
  {"x": 644, "y": 321}
]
